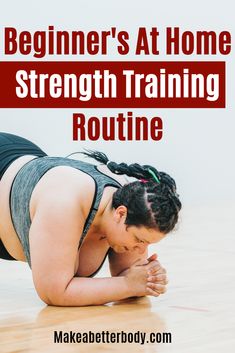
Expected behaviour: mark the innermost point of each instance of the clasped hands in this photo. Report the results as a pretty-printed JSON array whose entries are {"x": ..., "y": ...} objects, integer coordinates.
[
  {"x": 147, "y": 278},
  {"x": 157, "y": 278}
]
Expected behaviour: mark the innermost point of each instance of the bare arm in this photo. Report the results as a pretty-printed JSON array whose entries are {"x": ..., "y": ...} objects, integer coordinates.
[
  {"x": 93, "y": 291},
  {"x": 54, "y": 237}
]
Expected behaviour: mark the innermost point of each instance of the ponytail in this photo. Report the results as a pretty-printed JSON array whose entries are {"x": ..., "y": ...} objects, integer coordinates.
[{"x": 135, "y": 170}]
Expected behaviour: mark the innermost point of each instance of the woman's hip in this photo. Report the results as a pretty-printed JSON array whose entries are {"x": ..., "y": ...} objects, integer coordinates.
[{"x": 13, "y": 147}]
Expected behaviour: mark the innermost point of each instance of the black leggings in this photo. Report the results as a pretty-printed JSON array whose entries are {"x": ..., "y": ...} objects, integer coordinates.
[{"x": 11, "y": 148}]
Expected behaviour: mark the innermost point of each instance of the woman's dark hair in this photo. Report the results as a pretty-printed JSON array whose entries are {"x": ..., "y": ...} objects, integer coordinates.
[{"x": 149, "y": 203}]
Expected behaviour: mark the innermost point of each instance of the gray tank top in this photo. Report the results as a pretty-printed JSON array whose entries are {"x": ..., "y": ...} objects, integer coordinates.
[{"x": 25, "y": 182}]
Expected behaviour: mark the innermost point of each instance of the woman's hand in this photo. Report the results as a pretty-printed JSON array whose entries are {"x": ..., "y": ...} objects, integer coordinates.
[
  {"x": 147, "y": 279},
  {"x": 157, "y": 278}
]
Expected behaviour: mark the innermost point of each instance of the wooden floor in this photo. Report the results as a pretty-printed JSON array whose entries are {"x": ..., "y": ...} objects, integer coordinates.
[{"x": 198, "y": 308}]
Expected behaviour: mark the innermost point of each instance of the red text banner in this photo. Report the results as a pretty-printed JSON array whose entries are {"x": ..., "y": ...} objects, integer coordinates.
[{"x": 112, "y": 84}]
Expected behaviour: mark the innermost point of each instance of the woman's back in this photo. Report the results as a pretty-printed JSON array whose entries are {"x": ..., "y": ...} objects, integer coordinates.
[{"x": 7, "y": 231}]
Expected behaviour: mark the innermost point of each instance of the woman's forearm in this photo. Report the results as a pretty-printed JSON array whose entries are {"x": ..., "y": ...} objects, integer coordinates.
[{"x": 93, "y": 291}]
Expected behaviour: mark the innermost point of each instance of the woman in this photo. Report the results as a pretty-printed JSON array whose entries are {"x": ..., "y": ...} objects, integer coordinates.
[{"x": 64, "y": 216}]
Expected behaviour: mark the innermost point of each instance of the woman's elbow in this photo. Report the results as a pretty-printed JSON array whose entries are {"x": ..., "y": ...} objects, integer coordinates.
[
  {"x": 52, "y": 300},
  {"x": 51, "y": 296}
]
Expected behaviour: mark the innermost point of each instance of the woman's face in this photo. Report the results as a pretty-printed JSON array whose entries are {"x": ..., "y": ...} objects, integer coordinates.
[{"x": 130, "y": 238}]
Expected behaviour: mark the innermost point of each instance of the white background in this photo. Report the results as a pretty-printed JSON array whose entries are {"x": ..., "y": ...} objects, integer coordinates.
[{"x": 198, "y": 144}]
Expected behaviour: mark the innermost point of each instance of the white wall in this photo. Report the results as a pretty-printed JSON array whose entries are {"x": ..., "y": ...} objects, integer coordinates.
[{"x": 198, "y": 144}]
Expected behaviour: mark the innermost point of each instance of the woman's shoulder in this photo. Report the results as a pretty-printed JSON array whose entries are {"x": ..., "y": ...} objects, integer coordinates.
[{"x": 64, "y": 186}]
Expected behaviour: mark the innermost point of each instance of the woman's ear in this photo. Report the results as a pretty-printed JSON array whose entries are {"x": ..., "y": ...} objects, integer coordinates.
[{"x": 120, "y": 213}]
